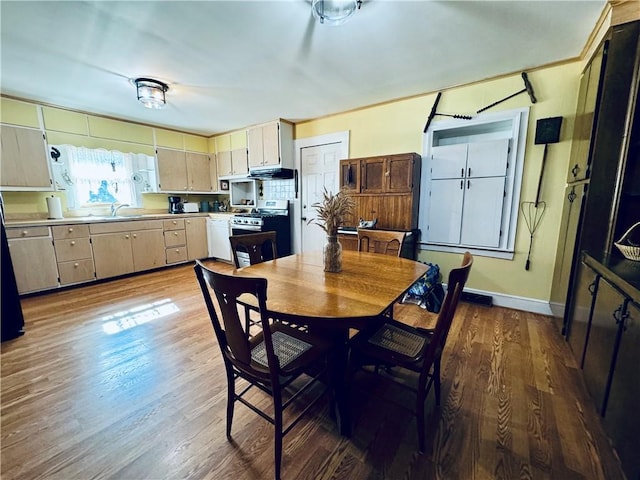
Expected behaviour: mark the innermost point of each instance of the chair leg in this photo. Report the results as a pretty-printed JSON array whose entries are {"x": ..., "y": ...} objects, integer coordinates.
[
  {"x": 420, "y": 418},
  {"x": 231, "y": 400},
  {"x": 436, "y": 380},
  {"x": 277, "y": 423}
]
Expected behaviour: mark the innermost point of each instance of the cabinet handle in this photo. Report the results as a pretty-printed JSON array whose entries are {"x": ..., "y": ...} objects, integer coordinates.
[
  {"x": 175, "y": 234},
  {"x": 462, "y": 172},
  {"x": 24, "y": 233},
  {"x": 73, "y": 243},
  {"x": 387, "y": 173},
  {"x": 592, "y": 288},
  {"x": 575, "y": 170},
  {"x": 177, "y": 250},
  {"x": 135, "y": 235},
  {"x": 469, "y": 172},
  {"x": 126, "y": 236},
  {"x": 468, "y": 184},
  {"x": 76, "y": 265},
  {"x": 70, "y": 229},
  {"x": 461, "y": 184},
  {"x": 175, "y": 222},
  {"x": 572, "y": 196}
]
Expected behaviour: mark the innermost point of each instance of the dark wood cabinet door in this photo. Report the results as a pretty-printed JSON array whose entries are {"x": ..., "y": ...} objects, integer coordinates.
[
  {"x": 621, "y": 420},
  {"x": 399, "y": 171},
  {"x": 580, "y": 315},
  {"x": 350, "y": 175},
  {"x": 374, "y": 175},
  {"x": 601, "y": 342}
]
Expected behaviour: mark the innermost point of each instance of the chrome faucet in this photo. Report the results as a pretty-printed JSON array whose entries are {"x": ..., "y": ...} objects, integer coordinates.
[{"x": 114, "y": 209}]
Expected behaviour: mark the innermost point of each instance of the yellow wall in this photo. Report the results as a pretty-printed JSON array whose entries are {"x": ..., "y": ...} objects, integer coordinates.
[{"x": 397, "y": 127}]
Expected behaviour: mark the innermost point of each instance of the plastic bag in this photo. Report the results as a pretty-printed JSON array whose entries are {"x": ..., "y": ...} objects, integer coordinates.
[{"x": 427, "y": 292}]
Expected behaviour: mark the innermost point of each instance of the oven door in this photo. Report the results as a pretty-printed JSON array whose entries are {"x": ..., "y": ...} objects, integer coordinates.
[{"x": 243, "y": 256}]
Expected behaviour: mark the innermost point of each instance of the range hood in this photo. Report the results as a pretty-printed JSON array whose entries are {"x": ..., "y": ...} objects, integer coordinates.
[{"x": 276, "y": 173}]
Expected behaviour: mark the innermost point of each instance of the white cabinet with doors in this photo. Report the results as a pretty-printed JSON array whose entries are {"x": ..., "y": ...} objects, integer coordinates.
[
  {"x": 24, "y": 164},
  {"x": 467, "y": 193},
  {"x": 270, "y": 145}
]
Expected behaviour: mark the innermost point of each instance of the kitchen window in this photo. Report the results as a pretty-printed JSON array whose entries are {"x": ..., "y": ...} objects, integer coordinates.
[
  {"x": 99, "y": 177},
  {"x": 471, "y": 179}
]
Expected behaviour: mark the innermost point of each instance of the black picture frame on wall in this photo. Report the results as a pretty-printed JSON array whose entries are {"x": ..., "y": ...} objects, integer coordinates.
[{"x": 224, "y": 184}]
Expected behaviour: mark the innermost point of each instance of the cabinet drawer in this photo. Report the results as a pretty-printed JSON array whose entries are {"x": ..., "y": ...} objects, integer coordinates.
[
  {"x": 177, "y": 254},
  {"x": 76, "y": 271},
  {"x": 27, "y": 232},
  {"x": 173, "y": 224},
  {"x": 70, "y": 231},
  {"x": 74, "y": 249},
  {"x": 174, "y": 238}
]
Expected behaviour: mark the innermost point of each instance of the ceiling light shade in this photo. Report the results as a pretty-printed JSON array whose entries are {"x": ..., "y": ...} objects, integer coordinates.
[
  {"x": 151, "y": 92},
  {"x": 334, "y": 12}
]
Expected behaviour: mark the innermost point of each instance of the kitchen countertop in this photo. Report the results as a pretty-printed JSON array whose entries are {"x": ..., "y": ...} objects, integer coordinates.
[{"x": 31, "y": 222}]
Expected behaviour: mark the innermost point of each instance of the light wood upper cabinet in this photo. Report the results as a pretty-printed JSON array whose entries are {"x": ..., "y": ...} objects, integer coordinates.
[
  {"x": 270, "y": 145},
  {"x": 172, "y": 170},
  {"x": 24, "y": 162},
  {"x": 180, "y": 171},
  {"x": 224, "y": 163}
]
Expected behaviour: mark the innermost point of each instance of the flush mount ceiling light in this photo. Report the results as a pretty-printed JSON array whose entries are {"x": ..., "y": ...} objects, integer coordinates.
[
  {"x": 151, "y": 92},
  {"x": 334, "y": 12}
]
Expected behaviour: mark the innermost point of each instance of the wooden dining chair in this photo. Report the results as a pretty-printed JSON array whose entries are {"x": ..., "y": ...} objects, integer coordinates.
[
  {"x": 388, "y": 242},
  {"x": 253, "y": 248},
  {"x": 395, "y": 344},
  {"x": 271, "y": 360},
  {"x": 249, "y": 249}
]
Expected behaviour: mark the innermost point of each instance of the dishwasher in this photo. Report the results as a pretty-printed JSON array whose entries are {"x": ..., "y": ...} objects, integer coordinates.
[{"x": 218, "y": 232}]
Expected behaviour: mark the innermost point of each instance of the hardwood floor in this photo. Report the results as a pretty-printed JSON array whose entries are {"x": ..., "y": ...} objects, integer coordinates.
[{"x": 124, "y": 380}]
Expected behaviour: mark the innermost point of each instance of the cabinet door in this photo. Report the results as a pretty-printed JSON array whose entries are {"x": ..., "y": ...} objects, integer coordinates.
[
  {"x": 256, "y": 149},
  {"x": 448, "y": 161},
  {"x": 24, "y": 158},
  {"x": 196, "y": 233},
  {"x": 239, "y": 162},
  {"x": 147, "y": 247},
  {"x": 223, "y": 159},
  {"x": 112, "y": 254},
  {"x": 487, "y": 159},
  {"x": 621, "y": 420},
  {"x": 172, "y": 170},
  {"x": 399, "y": 174},
  {"x": 350, "y": 175},
  {"x": 271, "y": 144},
  {"x": 198, "y": 172},
  {"x": 601, "y": 342},
  {"x": 482, "y": 211},
  {"x": 579, "y": 318},
  {"x": 373, "y": 178},
  {"x": 34, "y": 263},
  {"x": 445, "y": 211}
]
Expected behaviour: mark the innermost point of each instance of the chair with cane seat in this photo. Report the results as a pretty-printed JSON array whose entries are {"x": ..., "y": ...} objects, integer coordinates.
[
  {"x": 270, "y": 360},
  {"x": 395, "y": 344}
]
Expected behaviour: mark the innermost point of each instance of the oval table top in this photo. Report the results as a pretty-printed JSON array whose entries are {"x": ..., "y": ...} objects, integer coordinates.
[{"x": 298, "y": 286}]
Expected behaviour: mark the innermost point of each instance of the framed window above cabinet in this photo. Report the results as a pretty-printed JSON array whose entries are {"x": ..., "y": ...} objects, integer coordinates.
[{"x": 471, "y": 180}]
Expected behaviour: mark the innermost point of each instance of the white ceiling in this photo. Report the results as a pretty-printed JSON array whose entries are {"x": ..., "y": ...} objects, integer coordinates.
[{"x": 231, "y": 64}]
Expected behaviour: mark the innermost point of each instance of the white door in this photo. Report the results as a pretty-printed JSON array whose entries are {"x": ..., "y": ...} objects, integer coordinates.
[{"x": 319, "y": 167}]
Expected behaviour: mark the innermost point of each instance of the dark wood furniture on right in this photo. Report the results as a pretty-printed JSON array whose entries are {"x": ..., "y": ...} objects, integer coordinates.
[{"x": 601, "y": 320}]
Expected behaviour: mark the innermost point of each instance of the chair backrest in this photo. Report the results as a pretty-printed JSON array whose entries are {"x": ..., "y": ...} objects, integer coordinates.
[
  {"x": 253, "y": 248},
  {"x": 232, "y": 338},
  {"x": 457, "y": 280},
  {"x": 388, "y": 242}
]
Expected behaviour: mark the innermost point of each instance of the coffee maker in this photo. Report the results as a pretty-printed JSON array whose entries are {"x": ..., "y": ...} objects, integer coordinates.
[{"x": 175, "y": 205}]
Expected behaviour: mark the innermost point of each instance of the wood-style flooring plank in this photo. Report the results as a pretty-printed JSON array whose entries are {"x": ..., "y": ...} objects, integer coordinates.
[{"x": 124, "y": 380}]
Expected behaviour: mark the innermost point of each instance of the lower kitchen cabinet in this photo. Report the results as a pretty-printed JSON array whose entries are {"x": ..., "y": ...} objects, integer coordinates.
[
  {"x": 175, "y": 241},
  {"x": 33, "y": 258},
  {"x": 621, "y": 420},
  {"x": 73, "y": 253},
  {"x": 112, "y": 254},
  {"x": 147, "y": 247},
  {"x": 587, "y": 281},
  {"x": 196, "y": 236}
]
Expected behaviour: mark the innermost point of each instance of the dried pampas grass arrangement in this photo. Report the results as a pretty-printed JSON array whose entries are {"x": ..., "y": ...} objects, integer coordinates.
[{"x": 332, "y": 211}]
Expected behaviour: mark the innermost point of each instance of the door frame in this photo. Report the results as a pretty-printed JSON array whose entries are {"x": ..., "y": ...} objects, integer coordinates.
[{"x": 298, "y": 145}]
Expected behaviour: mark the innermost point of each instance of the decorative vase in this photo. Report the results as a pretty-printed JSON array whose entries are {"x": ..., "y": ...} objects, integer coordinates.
[{"x": 332, "y": 254}]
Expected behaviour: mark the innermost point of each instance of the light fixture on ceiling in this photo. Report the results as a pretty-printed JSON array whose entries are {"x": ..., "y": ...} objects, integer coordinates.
[
  {"x": 334, "y": 12},
  {"x": 151, "y": 93}
]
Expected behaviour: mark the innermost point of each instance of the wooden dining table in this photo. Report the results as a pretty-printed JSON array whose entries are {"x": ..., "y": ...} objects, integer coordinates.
[{"x": 300, "y": 291}]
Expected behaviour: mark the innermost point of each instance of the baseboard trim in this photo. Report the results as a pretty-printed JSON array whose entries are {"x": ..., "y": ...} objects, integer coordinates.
[{"x": 517, "y": 303}]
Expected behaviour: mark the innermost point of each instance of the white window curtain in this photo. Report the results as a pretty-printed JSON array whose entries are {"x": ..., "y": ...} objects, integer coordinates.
[{"x": 98, "y": 177}]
